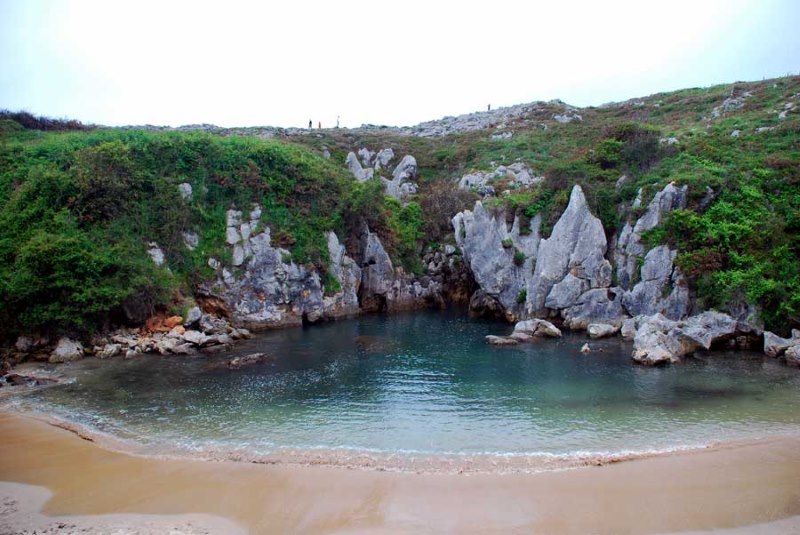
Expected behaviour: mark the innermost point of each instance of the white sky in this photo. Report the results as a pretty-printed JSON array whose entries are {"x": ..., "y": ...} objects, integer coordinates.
[{"x": 236, "y": 63}]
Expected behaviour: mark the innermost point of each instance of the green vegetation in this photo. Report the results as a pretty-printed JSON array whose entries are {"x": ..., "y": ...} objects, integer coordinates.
[
  {"x": 77, "y": 211},
  {"x": 78, "y": 208}
]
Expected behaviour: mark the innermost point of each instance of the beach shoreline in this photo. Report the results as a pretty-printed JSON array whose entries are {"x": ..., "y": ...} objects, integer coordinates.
[{"x": 750, "y": 486}]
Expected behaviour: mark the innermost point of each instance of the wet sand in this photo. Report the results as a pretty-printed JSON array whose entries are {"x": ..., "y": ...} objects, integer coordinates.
[{"x": 751, "y": 484}]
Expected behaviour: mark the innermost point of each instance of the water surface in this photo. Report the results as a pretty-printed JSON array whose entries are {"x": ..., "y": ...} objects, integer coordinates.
[{"x": 428, "y": 384}]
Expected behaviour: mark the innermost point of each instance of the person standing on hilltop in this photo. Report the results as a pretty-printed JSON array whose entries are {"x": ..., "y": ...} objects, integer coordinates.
[
  {"x": 310, "y": 124},
  {"x": 319, "y": 125}
]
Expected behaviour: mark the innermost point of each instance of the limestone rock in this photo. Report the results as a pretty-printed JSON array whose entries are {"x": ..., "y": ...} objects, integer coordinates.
[
  {"x": 501, "y": 340},
  {"x": 193, "y": 316},
  {"x": 109, "y": 350},
  {"x": 662, "y": 341},
  {"x": 602, "y": 330},
  {"x": 629, "y": 247},
  {"x": 489, "y": 248},
  {"x": 653, "y": 346},
  {"x": 185, "y": 189},
  {"x": 663, "y": 288},
  {"x": 246, "y": 360},
  {"x": 195, "y": 337},
  {"x": 156, "y": 253},
  {"x": 576, "y": 246},
  {"x": 628, "y": 330},
  {"x": 793, "y": 356},
  {"x": 360, "y": 174},
  {"x": 601, "y": 305},
  {"x": 345, "y": 270},
  {"x": 538, "y": 327},
  {"x": 775, "y": 346},
  {"x": 66, "y": 350}
]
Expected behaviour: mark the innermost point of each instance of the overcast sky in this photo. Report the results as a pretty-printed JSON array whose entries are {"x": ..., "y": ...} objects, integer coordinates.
[{"x": 284, "y": 62}]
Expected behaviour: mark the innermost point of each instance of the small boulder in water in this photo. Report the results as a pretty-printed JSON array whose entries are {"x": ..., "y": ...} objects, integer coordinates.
[
  {"x": 501, "y": 340},
  {"x": 246, "y": 360}
]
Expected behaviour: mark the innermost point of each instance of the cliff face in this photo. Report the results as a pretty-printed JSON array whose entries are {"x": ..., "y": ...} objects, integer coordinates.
[
  {"x": 263, "y": 288},
  {"x": 569, "y": 275}
]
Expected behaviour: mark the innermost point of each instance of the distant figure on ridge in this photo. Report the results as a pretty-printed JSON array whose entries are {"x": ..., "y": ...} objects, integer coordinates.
[
  {"x": 310, "y": 124},
  {"x": 488, "y": 107},
  {"x": 337, "y": 121},
  {"x": 319, "y": 125}
]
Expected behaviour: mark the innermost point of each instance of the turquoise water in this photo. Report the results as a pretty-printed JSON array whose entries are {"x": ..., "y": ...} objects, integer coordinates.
[{"x": 427, "y": 383}]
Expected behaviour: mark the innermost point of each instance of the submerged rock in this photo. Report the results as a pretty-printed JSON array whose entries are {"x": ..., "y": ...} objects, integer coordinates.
[{"x": 501, "y": 340}]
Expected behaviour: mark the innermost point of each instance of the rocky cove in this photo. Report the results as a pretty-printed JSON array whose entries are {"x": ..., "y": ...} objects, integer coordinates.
[{"x": 540, "y": 284}]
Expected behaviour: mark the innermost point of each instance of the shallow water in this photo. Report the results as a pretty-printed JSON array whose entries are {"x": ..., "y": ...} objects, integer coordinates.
[{"x": 428, "y": 383}]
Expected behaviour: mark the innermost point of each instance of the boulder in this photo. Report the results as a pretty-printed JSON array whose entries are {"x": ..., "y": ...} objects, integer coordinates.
[
  {"x": 708, "y": 328},
  {"x": 109, "y": 350},
  {"x": 775, "y": 346},
  {"x": 195, "y": 337},
  {"x": 193, "y": 316},
  {"x": 576, "y": 246},
  {"x": 246, "y": 360},
  {"x": 659, "y": 340},
  {"x": 586, "y": 349},
  {"x": 501, "y": 340},
  {"x": 653, "y": 346},
  {"x": 24, "y": 344},
  {"x": 793, "y": 356},
  {"x": 538, "y": 327},
  {"x": 66, "y": 351},
  {"x": 602, "y": 330},
  {"x": 185, "y": 190}
]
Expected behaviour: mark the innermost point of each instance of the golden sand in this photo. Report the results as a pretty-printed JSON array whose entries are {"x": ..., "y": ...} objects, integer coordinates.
[{"x": 753, "y": 484}]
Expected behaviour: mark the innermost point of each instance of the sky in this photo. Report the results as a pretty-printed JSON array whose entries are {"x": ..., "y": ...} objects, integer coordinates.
[{"x": 283, "y": 63}]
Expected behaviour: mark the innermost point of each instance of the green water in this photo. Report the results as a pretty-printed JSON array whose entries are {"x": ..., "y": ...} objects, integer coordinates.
[{"x": 428, "y": 383}]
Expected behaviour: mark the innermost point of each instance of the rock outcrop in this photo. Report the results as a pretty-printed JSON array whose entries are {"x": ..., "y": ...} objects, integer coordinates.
[
  {"x": 402, "y": 183},
  {"x": 501, "y": 260},
  {"x": 384, "y": 288},
  {"x": 514, "y": 176},
  {"x": 525, "y": 331},
  {"x": 659, "y": 340},
  {"x": 660, "y": 287},
  {"x": 571, "y": 261},
  {"x": 775, "y": 346}
]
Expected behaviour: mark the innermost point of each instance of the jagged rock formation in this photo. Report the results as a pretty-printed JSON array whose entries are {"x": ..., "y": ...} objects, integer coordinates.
[
  {"x": 569, "y": 274},
  {"x": 659, "y": 340},
  {"x": 571, "y": 261},
  {"x": 514, "y": 176},
  {"x": 501, "y": 260},
  {"x": 384, "y": 288},
  {"x": 400, "y": 186}
]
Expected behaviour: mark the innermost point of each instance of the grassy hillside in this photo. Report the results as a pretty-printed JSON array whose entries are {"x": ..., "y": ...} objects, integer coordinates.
[
  {"x": 77, "y": 209},
  {"x": 739, "y": 240}
]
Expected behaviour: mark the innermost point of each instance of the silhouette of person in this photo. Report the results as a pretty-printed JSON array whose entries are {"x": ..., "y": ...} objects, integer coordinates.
[
  {"x": 319, "y": 124},
  {"x": 309, "y": 124},
  {"x": 337, "y": 121},
  {"x": 488, "y": 107}
]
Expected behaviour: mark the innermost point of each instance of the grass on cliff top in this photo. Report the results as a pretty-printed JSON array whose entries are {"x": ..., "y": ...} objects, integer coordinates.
[{"x": 78, "y": 210}]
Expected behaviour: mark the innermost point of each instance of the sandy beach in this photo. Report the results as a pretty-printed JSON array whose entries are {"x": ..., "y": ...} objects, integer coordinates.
[{"x": 750, "y": 486}]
